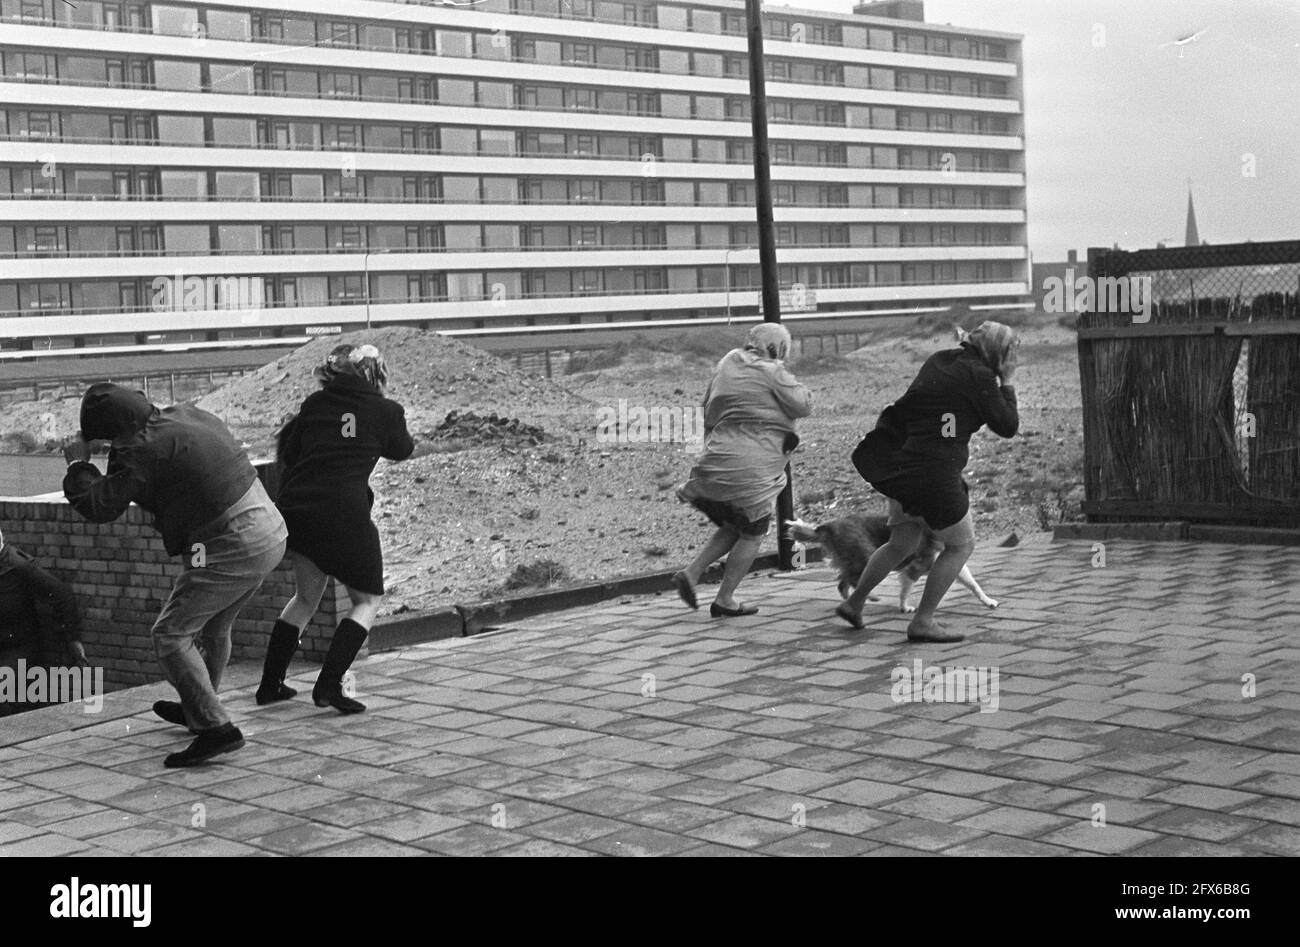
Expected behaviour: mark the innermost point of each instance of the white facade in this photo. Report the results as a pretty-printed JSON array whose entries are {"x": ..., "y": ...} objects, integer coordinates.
[{"x": 514, "y": 163}]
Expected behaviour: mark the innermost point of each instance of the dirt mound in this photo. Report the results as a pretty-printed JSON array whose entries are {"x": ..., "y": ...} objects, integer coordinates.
[
  {"x": 479, "y": 429},
  {"x": 429, "y": 374}
]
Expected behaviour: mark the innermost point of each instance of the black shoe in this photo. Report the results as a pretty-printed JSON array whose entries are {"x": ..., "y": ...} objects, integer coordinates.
[
  {"x": 328, "y": 692},
  {"x": 720, "y": 611},
  {"x": 209, "y": 743},
  {"x": 279, "y": 652},
  {"x": 685, "y": 591},
  {"x": 172, "y": 712},
  {"x": 332, "y": 696}
]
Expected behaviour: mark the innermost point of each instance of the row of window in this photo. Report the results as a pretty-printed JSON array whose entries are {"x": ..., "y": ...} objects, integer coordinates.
[
  {"x": 142, "y": 295},
  {"x": 283, "y": 134},
  {"x": 146, "y": 239},
  {"x": 281, "y": 27},
  {"x": 177, "y": 184},
  {"x": 233, "y": 78}
]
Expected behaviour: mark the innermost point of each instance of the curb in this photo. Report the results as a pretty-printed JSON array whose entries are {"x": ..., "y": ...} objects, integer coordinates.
[{"x": 460, "y": 621}]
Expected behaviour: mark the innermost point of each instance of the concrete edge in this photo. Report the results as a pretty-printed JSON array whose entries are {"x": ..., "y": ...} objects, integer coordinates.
[{"x": 463, "y": 620}]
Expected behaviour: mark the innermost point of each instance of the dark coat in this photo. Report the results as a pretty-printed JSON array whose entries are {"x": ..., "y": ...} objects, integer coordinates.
[
  {"x": 919, "y": 449},
  {"x": 24, "y": 584},
  {"x": 180, "y": 463},
  {"x": 326, "y": 454}
]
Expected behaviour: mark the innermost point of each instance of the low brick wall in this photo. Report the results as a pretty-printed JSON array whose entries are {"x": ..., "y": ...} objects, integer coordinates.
[{"x": 121, "y": 575}]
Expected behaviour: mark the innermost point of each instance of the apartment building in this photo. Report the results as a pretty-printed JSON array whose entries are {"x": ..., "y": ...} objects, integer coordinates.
[{"x": 247, "y": 173}]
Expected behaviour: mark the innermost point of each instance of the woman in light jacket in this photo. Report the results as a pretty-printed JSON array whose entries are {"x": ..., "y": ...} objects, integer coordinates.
[{"x": 749, "y": 412}]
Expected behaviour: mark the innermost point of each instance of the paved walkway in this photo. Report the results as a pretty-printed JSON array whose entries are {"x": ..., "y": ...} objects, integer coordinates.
[{"x": 641, "y": 728}]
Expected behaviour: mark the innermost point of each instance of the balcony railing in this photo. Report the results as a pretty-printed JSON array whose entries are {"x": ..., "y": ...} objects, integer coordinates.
[
  {"x": 346, "y": 148},
  {"x": 487, "y": 296},
  {"x": 64, "y": 254},
  {"x": 337, "y": 96}
]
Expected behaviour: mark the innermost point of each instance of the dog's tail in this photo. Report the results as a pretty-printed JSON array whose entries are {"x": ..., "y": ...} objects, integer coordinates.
[{"x": 804, "y": 532}]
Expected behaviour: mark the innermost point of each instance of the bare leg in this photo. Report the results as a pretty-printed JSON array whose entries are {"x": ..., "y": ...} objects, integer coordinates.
[
  {"x": 309, "y": 586},
  {"x": 942, "y": 574},
  {"x": 742, "y": 557},
  {"x": 903, "y": 541},
  {"x": 718, "y": 546}
]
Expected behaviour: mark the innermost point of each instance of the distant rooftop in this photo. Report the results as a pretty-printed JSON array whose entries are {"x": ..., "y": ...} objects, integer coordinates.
[{"x": 893, "y": 9}]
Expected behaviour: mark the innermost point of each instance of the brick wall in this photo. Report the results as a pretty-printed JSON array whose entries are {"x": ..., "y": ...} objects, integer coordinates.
[{"x": 121, "y": 575}]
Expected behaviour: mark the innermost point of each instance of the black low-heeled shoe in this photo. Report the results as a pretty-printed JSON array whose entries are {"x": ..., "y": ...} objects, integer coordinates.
[
  {"x": 721, "y": 611},
  {"x": 172, "y": 712},
  {"x": 209, "y": 743},
  {"x": 685, "y": 590}
]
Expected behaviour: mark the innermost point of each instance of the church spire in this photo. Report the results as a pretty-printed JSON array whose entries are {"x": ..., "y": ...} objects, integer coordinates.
[{"x": 1192, "y": 239}]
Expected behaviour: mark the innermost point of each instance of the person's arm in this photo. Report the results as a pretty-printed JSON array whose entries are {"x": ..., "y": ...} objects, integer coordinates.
[
  {"x": 794, "y": 398},
  {"x": 102, "y": 498},
  {"x": 997, "y": 404},
  {"x": 399, "y": 445}
]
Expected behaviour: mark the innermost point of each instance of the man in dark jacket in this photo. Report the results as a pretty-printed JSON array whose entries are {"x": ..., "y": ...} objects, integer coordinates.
[
  {"x": 182, "y": 465},
  {"x": 23, "y": 586}
]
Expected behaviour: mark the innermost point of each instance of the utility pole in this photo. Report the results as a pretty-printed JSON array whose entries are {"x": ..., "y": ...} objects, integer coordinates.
[{"x": 767, "y": 242}]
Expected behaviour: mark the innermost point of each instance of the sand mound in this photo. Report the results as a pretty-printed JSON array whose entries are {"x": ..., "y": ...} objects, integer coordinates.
[{"x": 429, "y": 374}]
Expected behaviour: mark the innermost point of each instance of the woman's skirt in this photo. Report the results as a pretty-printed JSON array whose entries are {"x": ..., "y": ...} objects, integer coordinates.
[
  {"x": 348, "y": 552},
  {"x": 941, "y": 501}
]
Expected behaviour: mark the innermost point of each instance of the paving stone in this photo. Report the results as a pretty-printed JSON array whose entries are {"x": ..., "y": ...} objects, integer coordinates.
[
  {"x": 1108, "y": 839},
  {"x": 744, "y": 831}
]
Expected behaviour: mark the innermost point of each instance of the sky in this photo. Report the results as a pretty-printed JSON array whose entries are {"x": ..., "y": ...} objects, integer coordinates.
[{"x": 1117, "y": 121}]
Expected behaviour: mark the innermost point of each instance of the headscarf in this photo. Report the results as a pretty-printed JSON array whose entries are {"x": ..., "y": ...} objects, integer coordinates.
[
  {"x": 364, "y": 361},
  {"x": 993, "y": 341},
  {"x": 768, "y": 340}
]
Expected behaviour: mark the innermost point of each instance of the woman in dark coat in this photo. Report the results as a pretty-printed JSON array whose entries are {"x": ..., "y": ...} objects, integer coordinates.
[
  {"x": 919, "y": 451},
  {"x": 326, "y": 455}
]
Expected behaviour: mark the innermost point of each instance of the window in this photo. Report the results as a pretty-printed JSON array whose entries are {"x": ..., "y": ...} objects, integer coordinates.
[
  {"x": 175, "y": 21},
  {"x": 239, "y": 238},
  {"x": 243, "y": 185},
  {"x": 234, "y": 131},
  {"x": 228, "y": 24},
  {"x": 308, "y": 187},
  {"x": 184, "y": 184},
  {"x": 177, "y": 76},
  {"x": 177, "y": 129},
  {"x": 492, "y": 141},
  {"x": 186, "y": 239}
]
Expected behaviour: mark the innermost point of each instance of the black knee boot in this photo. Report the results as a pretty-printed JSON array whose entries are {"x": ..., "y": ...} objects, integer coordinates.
[
  {"x": 279, "y": 652},
  {"x": 328, "y": 692}
]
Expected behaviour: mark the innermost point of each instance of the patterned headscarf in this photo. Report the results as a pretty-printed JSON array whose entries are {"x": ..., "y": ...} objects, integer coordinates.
[
  {"x": 364, "y": 361},
  {"x": 768, "y": 340},
  {"x": 993, "y": 341}
]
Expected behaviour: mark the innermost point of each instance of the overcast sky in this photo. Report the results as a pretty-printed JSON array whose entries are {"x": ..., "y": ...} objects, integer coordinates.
[{"x": 1115, "y": 130}]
